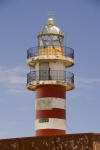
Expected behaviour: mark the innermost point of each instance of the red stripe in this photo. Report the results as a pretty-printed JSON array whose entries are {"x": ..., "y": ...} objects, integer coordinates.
[
  {"x": 45, "y": 132},
  {"x": 51, "y": 91},
  {"x": 54, "y": 113}
]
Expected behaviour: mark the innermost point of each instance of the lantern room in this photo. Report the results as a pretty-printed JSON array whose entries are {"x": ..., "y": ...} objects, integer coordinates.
[{"x": 50, "y": 35}]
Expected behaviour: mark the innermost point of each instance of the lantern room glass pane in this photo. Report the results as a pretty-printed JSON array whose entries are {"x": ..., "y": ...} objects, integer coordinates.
[{"x": 52, "y": 40}]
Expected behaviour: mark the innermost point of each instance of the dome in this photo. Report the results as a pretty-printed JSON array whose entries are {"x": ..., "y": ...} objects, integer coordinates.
[{"x": 51, "y": 28}]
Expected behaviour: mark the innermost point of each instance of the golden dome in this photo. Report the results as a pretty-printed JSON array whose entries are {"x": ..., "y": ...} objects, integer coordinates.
[{"x": 51, "y": 28}]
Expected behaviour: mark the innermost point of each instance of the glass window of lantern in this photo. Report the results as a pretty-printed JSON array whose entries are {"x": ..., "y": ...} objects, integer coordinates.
[{"x": 52, "y": 40}]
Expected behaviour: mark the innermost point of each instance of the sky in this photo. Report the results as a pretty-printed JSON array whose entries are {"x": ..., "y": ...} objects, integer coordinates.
[{"x": 20, "y": 23}]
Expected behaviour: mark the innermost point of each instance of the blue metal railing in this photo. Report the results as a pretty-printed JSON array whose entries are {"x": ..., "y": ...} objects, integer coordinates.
[
  {"x": 39, "y": 51},
  {"x": 54, "y": 75}
]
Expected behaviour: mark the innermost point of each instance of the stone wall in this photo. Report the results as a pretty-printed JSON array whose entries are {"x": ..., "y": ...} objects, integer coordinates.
[
  {"x": 62, "y": 142},
  {"x": 96, "y": 142}
]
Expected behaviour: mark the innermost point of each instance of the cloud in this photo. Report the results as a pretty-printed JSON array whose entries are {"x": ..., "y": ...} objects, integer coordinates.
[
  {"x": 16, "y": 89},
  {"x": 86, "y": 82},
  {"x": 12, "y": 75},
  {"x": 13, "y": 79},
  {"x": 17, "y": 79}
]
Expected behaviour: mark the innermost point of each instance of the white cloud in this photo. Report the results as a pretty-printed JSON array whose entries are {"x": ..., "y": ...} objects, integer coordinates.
[
  {"x": 16, "y": 90},
  {"x": 86, "y": 82},
  {"x": 17, "y": 79},
  {"x": 13, "y": 79},
  {"x": 12, "y": 75},
  {"x": 83, "y": 83}
]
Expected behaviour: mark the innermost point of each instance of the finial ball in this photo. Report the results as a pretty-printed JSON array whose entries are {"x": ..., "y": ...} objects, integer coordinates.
[{"x": 51, "y": 22}]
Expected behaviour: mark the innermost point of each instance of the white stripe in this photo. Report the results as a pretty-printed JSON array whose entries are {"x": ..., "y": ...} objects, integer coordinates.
[
  {"x": 53, "y": 123},
  {"x": 49, "y": 103}
]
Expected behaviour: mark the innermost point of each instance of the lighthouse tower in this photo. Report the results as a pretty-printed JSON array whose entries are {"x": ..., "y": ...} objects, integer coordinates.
[{"x": 50, "y": 80}]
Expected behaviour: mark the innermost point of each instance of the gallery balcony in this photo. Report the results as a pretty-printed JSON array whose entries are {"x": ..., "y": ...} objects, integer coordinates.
[
  {"x": 46, "y": 77},
  {"x": 50, "y": 53}
]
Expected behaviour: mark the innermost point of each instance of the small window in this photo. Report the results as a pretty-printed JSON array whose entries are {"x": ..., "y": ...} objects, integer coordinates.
[{"x": 43, "y": 120}]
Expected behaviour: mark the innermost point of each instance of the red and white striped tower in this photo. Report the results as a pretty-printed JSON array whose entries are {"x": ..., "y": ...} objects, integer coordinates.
[{"x": 49, "y": 79}]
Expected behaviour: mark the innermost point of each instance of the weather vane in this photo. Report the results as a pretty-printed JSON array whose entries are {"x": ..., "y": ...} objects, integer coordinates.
[{"x": 51, "y": 14}]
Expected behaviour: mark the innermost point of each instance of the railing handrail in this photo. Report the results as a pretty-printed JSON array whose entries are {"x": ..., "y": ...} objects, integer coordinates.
[
  {"x": 33, "y": 51},
  {"x": 59, "y": 75}
]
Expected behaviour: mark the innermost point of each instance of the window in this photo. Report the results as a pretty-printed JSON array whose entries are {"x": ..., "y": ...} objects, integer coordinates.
[
  {"x": 44, "y": 71},
  {"x": 43, "y": 120}
]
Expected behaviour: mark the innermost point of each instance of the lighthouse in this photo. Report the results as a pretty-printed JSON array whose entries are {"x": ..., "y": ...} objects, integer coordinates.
[{"x": 50, "y": 80}]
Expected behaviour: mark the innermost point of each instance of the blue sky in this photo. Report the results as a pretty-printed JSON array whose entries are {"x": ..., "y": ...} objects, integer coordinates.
[{"x": 20, "y": 23}]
